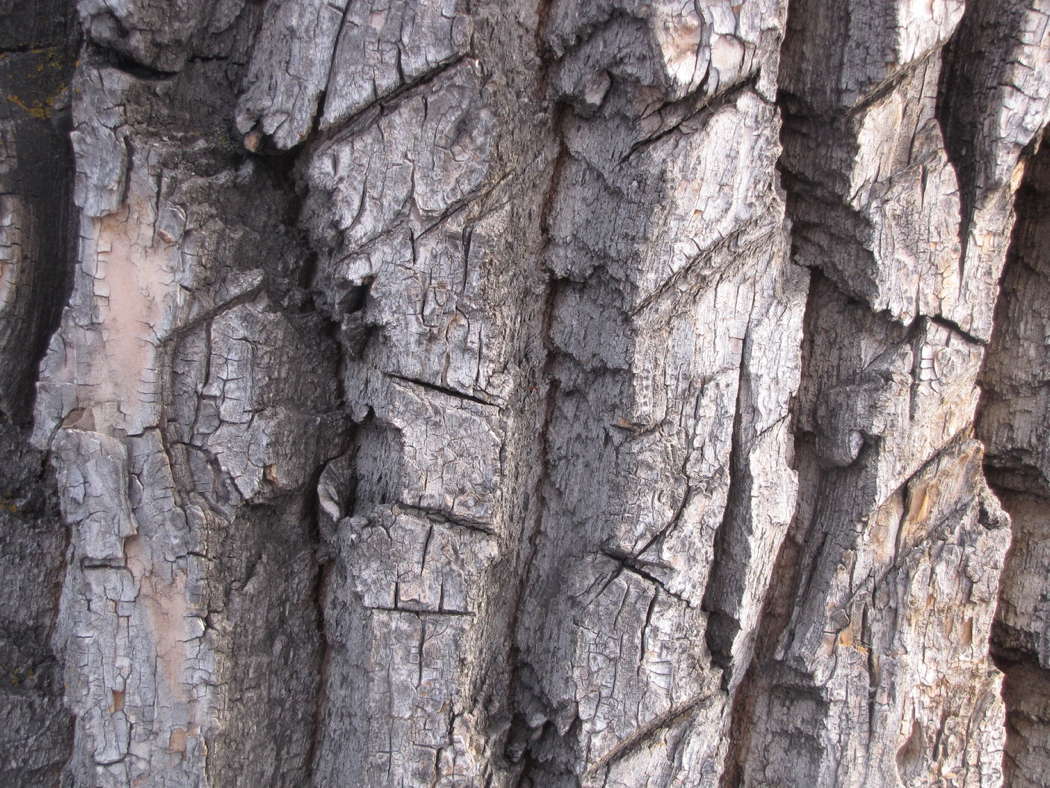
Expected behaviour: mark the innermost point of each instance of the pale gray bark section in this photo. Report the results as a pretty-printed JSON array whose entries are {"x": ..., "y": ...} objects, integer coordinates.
[{"x": 564, "y": 393}]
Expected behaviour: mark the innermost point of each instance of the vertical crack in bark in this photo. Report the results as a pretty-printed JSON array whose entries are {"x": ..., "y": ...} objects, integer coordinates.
[
  {"x": 538, "y": 497},
  {"x": 972, "y": 59},
  {"x": 318, "y": 598},
  {"x": 728, "y": 567},
  {"x": 780, "y": 592}
]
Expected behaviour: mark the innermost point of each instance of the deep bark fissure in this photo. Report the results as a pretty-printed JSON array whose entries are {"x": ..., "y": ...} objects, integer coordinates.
[
  {"x": 538, "y": 495},
  {"x": 722, "y": 628}
]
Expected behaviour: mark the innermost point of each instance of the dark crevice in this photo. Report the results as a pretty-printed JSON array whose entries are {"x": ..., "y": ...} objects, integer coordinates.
[
  {"x": 691, "y": 270},
  {"x": 525, "y": 689},
  {"x": 446, "y": 518},
  {"x": 543, "y": 10},
  {"x": 43, "y": 182},
  {"x": 443, "y": 390},
  {"x": 383, "y": 105},
  {"x": 422, "y": 613},
  {"x": 205, "y": 318},
  {"x": 517, "y": 748},
  {"x": 973, "y": 59},
  {"x": 673, "y": 716},
  {"x": 320, "y": 592},
  {"x": 626, "y": 562},
  {"x": 704, "y": 105},
  {"x": 333, "y": 57},
  {"x": 123, "y": 62},
  {"x": 958, "y": 330},
  {"x": 555, "y": 53},
  {"x": 727, "y": 572},
  {"x": 356, "y": 297},
  {"x": 888, "y": 86},
  {"x": 673, "y": 523}
]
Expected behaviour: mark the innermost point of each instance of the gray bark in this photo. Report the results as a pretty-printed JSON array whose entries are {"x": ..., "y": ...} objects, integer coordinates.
[{"x": 556, "y": 393}]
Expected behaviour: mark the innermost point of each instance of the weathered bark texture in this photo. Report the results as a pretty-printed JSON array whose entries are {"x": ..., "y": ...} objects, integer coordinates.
[{"x": 547, "y": 393}]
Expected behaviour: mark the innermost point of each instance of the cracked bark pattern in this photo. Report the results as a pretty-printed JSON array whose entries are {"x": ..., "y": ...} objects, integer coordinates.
[{"x": 556, "y": 393}]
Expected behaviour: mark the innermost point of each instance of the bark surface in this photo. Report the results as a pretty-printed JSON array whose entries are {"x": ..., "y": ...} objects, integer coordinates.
[{"x": 554, "y": 393}]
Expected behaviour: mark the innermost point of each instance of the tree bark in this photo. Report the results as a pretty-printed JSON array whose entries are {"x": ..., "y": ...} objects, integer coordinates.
[{"x": 555, "y": 393}]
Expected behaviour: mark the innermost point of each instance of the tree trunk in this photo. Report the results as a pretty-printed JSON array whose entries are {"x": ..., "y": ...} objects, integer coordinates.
[{"x": 554, "y": 393}]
